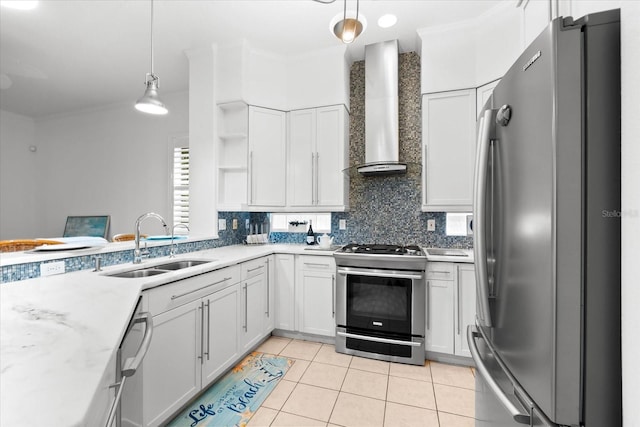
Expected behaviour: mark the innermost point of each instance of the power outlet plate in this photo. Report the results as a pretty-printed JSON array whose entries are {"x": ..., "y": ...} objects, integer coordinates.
[
  {"x": 222, "y": 224},
  {"x": 234, "y": 223},
  {"x": 342, "y": 224},
  {"x": 51, "y": 268},
  {"x": 431, "y": 225}
]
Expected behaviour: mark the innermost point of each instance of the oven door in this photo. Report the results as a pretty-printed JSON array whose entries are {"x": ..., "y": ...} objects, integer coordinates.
[{"x": 385, "y": 302}]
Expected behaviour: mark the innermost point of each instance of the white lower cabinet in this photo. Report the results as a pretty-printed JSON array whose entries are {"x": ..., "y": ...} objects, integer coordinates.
[
  {"x": 172, "y": 366},
  {"x": 451, "y": 306},
  {"x": 315, "y": 295},
  {"x": 257, "y": 305},
  {"x": 284, "y": 291},
  {"x": 465, "y": 307},
  {"x": 440, "y": 313},
  {"x": 223, "y": 323},
  {"x": 203, "y": 325}
]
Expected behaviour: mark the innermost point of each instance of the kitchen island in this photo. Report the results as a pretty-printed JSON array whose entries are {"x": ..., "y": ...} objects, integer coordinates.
[{"x": 59, "y": 334}]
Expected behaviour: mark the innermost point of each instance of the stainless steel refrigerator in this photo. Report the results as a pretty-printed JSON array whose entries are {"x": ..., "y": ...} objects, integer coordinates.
[{"x": 546, "y": 343}]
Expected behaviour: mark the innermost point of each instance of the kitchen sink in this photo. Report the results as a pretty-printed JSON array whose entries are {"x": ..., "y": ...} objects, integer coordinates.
[
  {"x": 179, "y": 265},
  {"x": 139, "y": 273},
  {"x": 447, "y": 252},
  {"x": 159, "y": 269}
]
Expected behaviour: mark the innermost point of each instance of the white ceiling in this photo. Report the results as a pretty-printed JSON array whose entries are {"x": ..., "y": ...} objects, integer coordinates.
[{"x": 69, "y": 55}]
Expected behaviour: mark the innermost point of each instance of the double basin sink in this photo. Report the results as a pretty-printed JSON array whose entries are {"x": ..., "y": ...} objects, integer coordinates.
[{"x": 159, "y": 269}]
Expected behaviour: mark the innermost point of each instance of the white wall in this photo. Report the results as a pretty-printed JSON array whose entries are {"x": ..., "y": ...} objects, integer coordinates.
[
  {"x": 18, "y": 177},
  {"x": 113, "y": 161}
]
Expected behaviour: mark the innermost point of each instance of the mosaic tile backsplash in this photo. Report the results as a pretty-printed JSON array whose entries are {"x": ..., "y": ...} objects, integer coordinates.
[{"x": 227, "y": 237}]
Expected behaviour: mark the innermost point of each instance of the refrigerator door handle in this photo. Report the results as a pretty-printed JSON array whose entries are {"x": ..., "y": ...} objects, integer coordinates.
[
  {"x": 485, "y": 127},
  {"x": 474, "y": 333}
]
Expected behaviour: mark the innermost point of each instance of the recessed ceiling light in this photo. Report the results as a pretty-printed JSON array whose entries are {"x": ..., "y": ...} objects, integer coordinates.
[
  {"x": 20, "y": 4},
  {"x": 388, "y": 20}
]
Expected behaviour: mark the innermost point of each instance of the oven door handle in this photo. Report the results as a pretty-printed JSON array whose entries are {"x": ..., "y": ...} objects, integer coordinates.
[
  {"x": 379, "y": 273},
  {"x": 377, "y": 339}
]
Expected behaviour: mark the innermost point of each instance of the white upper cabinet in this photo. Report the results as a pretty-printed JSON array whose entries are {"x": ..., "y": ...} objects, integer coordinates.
[
  {"x": 448, "y": 134},
  {"x": 267, "y": 158},
  {"x": 318, "y": 154}
]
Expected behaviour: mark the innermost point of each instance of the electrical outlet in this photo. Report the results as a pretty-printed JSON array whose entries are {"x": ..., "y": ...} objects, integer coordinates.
[
  {"x": 342, "y": 224},
  {"x": 234, "y": 223},
  {"x": 51, "y": 268},
  {"x": 431, "y": 225},
  {"x": 222, "y": 224}
]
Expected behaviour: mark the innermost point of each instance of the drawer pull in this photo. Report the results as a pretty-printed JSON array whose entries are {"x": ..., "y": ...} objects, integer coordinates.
[
  {"x": 174, "y": 297},
  {"x": 439, "y": 271},
  {"x": 316, "y": 264},
  {"x": 256, "y": 268}
]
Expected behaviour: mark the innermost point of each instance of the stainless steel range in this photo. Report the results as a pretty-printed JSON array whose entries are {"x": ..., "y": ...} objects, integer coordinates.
[{"x": 380, "y": 302}]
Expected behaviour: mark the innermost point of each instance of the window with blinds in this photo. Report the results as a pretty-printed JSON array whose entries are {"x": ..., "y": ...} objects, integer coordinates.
[{"x": 181, "y": 185}]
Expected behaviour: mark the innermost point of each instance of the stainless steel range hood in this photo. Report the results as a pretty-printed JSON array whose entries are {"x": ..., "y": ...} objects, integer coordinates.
[{"x": 381, "y": 111}]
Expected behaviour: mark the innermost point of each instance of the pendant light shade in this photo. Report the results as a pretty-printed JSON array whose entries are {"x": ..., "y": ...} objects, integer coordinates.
[
  {"x": 349, "y": 28},
  {"x": 150, "y": 101}
]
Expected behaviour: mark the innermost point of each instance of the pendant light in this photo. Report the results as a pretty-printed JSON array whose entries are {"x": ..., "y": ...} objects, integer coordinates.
[
  {"x": 150, "y": 102},
  {"x": 349, "y": 28}
]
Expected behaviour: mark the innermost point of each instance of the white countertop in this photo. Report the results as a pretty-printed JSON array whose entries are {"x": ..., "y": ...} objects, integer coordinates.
[
  {"x": 58, "y": 333},
  {"x": 467, "y": 258}
]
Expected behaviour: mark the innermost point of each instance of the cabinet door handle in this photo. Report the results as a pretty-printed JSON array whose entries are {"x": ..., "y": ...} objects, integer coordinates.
[
  {"x": 316, "y": 264},
  {"x": 255, "y": 268},
  {"x": 245, "y": 307},
  {"x": 333, "y": 295},
  {"x": 201, "y": 309},
  {"x": 208, "y": 325},
  {"x": 251, "y": 177},
  {"x": 173, "y": 297},
  {"x": 428, "y": 308},
  {"x": 459, "y": 308},
  {"x": 317, "y": 180},
  {"x": 313, "y": 178},
  {"x": 439, "y": 271},
  {"x": 268, "y": 312}
]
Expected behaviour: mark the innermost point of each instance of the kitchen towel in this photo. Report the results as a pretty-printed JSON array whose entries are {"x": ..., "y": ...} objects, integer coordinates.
[{"x": 232, "y": 400}]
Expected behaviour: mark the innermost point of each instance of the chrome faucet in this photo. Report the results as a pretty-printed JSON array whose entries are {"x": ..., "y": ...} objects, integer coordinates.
[
  {"x": 137, "y": 255},
  {"x": 172, "y": 252}
]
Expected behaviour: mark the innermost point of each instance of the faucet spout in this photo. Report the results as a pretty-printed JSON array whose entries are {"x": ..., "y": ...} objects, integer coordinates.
[
  {"x": 172, "y": 252},
  {"x": 137, "y": 254}
]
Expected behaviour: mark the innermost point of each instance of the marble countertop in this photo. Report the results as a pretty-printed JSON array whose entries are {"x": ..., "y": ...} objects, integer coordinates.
[
  {"x": 58, "y": 333},
  {"x": 467, "y": 258}
]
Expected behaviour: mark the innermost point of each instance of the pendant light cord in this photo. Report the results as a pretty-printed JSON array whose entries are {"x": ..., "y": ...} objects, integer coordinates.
[
  {"x": 152, "y": 75},
  {"x": 357, "y": 10}
]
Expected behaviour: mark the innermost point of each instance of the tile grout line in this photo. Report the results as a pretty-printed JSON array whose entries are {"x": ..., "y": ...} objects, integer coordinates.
[{"x": 340, "y": 390}]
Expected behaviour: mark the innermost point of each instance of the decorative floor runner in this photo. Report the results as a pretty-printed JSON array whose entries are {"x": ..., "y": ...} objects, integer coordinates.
[{"x": 233, "y": 399}]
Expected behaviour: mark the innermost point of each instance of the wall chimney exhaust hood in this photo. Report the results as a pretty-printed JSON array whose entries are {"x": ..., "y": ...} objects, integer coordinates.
[{"x": 381, "y": 111}]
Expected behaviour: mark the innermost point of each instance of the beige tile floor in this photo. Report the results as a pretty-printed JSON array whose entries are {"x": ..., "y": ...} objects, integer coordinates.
[{"x": 325, "y": 388}]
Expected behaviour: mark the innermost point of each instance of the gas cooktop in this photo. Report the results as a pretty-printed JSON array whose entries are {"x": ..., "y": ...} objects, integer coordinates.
[
  {"x": 358, "y": 248},
  {"x": 410, "y": 257}
]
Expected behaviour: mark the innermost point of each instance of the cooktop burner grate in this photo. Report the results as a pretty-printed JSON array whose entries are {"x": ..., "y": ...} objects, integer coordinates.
[{"x": 381, "y": 249}]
